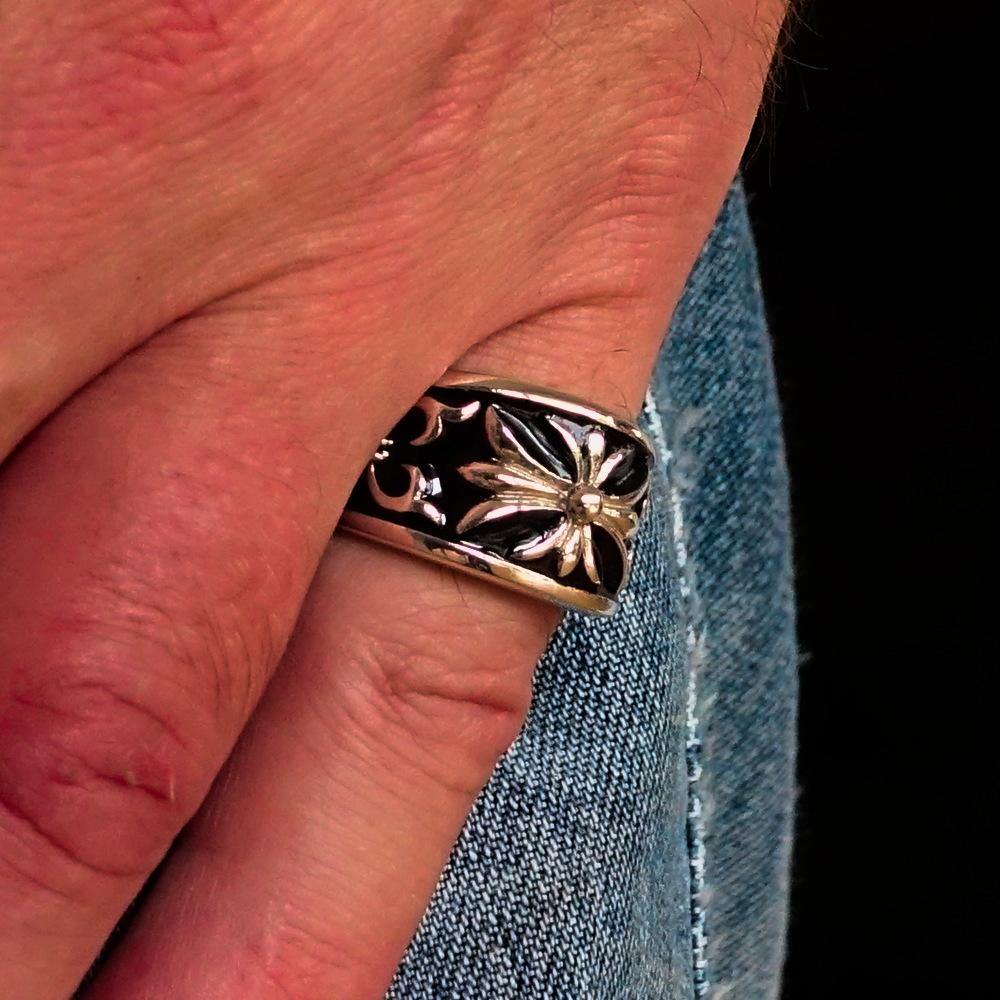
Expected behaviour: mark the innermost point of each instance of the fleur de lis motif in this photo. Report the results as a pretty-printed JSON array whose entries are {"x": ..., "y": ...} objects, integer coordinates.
[
  {"x": 415, "y": 498},
  {"x": 519, "y": 482},
  {"x": 437, "y": 414},
  {"x": 422, "y": 485}
]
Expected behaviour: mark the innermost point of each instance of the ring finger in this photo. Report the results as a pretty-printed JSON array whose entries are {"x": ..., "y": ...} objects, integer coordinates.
[{"x": 316, "y": 854}]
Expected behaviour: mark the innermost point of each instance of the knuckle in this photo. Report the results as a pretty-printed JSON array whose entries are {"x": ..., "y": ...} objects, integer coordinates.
[
  {"x": 437, "y": 686},
  {"x": 98, "y": 771},
  {"x": 300, "y": 954}
]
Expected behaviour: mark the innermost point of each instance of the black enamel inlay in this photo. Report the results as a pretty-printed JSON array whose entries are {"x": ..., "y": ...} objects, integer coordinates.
[{"x": 467, "y": 441}]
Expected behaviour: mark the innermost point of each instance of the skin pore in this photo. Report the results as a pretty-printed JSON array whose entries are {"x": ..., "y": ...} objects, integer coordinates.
[{"x": 240, "y": 238}]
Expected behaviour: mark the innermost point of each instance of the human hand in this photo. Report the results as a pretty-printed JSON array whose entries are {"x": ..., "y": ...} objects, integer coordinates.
[{"x": 247, "y": 236}]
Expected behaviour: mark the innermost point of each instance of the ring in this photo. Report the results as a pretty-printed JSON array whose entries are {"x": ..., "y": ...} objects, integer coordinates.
[{"x": 537, "y": 490}]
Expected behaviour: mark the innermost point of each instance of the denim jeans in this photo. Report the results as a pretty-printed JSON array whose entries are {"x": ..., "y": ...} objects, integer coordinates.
[{"x": 634, "y": 842}]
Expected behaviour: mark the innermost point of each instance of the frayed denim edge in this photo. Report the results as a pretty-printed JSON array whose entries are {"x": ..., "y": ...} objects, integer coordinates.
[{"x": 694, "y": 642}]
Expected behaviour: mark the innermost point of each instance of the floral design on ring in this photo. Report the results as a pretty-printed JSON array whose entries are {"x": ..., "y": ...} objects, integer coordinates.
[{"x": 519, "y": 482}]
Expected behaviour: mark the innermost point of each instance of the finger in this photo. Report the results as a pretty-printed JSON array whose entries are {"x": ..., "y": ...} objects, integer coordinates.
[
  {"x": 311, "y": 864},
  {"x": 158, "y": 536},
  {"x": 309, "y": 870}
]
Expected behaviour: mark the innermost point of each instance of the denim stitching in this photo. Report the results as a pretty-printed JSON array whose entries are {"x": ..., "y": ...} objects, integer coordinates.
[{"x": 694, "y": 642}]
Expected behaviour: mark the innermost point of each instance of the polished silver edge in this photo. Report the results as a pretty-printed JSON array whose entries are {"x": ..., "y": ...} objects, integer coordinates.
[
  {"x": 511, "y": 389},
  {"x": 474, "y": 561}
]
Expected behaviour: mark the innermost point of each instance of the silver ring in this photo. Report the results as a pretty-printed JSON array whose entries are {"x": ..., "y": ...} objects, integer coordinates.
[{"x": 537, "y": 490}]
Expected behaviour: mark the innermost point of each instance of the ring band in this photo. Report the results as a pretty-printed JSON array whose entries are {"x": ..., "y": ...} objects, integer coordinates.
[{"x": 537, "y": 490}]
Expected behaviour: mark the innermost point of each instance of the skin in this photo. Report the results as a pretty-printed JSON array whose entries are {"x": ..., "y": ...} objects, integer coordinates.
[{"x": 240, "y": 238}]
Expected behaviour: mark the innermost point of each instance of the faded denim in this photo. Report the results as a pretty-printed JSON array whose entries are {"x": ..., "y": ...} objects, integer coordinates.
[{"x": 634, "y": 842}]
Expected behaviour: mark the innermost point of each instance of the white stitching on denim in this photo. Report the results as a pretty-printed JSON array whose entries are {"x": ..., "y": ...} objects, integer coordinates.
[{"x": 694, "y": 640}]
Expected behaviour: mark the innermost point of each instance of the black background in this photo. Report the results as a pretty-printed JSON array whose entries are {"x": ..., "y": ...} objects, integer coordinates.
[{"x": 871, "y": 206}]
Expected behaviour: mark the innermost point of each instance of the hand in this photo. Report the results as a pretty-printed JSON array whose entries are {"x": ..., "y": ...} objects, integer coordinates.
[{"x": 240, "y": 239}]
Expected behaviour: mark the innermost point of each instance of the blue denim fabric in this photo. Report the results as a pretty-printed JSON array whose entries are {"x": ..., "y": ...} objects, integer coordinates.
[{"x": 634, "y": 841}]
